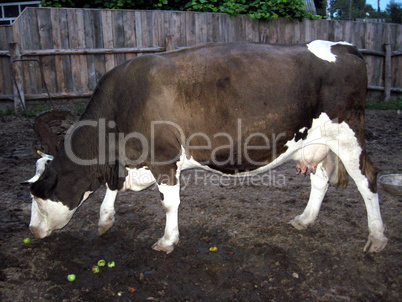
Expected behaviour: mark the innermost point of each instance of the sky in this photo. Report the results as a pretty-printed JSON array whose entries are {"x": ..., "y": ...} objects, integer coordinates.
[{"x": 383, "y": 3}]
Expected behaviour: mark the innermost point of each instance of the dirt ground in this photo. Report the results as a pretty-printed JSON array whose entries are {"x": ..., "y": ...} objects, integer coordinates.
[{"x": 260, "y": 256}]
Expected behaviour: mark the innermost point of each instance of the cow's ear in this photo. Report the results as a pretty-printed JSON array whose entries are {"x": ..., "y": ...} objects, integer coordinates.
[{"x": 44, "y": 187}]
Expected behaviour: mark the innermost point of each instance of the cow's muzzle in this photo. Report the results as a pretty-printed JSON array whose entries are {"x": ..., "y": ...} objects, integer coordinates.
[{"x": 39, "y": 232}]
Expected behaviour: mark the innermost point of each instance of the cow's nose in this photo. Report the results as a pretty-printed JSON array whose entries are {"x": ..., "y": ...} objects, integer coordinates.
[{"x": 38, "y": 232}]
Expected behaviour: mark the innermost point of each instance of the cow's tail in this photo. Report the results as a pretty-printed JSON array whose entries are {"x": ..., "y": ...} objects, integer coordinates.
[{"x": 338, "y": 177}]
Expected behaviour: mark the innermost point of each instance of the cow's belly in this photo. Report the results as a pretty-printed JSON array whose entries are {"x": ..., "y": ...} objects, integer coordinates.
[{"x": 306, "y": 152}]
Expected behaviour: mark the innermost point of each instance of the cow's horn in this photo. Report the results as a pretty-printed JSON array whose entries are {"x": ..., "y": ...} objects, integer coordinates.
[
  {"x": 44, "y": 155},
  {"x": 40, "y": 167}
]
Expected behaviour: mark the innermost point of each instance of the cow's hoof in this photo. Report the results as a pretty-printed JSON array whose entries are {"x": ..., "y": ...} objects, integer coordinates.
[
  {"x": 298, "y": 223},
  {"x": 105, "y": 226},
  {"x": 162, "y": 246},
  {"x": 375, "y": 245}
]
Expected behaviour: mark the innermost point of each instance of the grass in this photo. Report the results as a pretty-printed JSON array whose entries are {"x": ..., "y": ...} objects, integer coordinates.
[
  {"x": 394, "y": 105},
  {"x": 34, "y": 110}
]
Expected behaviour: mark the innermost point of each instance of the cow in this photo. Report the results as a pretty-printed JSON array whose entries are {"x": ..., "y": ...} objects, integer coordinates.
[{"x": 236, "y": 109}]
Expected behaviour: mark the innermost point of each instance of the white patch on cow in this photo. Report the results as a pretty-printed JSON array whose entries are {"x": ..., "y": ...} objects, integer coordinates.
[
  {"x": 107, "y": 212},
  {"x": 138, "y": 179},
  {"x": 48, "y": 215},
  {"x": 171, "y": 202},
  {"x": 322, "y": 49}
]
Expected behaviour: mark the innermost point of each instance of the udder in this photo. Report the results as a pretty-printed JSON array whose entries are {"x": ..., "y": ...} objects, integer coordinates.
[{"x": 309, "y": 157}]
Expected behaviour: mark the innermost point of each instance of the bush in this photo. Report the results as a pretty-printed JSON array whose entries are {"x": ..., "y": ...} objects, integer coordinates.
[{"x": 290, "y": 9}]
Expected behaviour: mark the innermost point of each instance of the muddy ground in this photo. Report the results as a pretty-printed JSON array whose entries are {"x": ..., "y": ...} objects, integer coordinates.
[{"x": 260, "y": 256}]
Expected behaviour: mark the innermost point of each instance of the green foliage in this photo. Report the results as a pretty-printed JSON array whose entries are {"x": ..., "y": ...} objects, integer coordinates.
[
  {"x": 80, "y": 108},
  {"x": 394, "y": 12},
  {"x": 35, "y": 109},
  {"x": 7, "y": 111},
  {"x": 393, "y": 105},
  {"x": 291, "y": 9}
]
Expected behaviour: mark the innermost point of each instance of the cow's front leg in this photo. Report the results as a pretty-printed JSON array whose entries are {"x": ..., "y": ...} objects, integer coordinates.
[
  {"x": 319, "y": 186},
  {"x": 170, "y": 195},
  {"x": 106, "y": 218}
]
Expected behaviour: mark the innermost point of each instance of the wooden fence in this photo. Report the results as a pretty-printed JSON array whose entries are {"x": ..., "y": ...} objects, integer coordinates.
[{"x": 75, "y": 47}]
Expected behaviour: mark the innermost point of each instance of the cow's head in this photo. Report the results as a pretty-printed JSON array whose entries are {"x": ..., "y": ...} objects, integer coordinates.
[{"x": 55, "y": 196}]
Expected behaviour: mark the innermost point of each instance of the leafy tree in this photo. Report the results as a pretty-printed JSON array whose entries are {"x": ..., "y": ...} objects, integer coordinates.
[
  {"x": 394, "y": 12},
  {"x": 291, "y": 9}
]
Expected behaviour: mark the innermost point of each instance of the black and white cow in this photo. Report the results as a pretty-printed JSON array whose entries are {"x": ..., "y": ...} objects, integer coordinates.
[{"x": 231, "y": 108}]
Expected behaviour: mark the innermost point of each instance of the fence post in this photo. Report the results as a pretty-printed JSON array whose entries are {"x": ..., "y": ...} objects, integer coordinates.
[
  {"x": 387, "y": 73},
  {"x": 16, "y": 73}
]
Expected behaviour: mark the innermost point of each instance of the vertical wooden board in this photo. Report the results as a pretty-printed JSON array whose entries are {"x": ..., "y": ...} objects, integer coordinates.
[
  {"x": 236, "y": 29},
  {"x": 129, "y": 32},
  {"x": 274, "y": 31},
  {"x": 29, "y": 79},
  {"x": 348, "y": 33},
  {"x": 181, "y": 42},
  {"x": 5, "y": 76},
  {"x": 79, "y": 67},
  {"x": 150, "y": 17},
  {"x": 138, "y": 29},
  {"x": 378, "y": 62},
  {"x": 100, "y": 61},
  {"x": 144, "y": 30},
  {"x": 326, "y": 29},
  {"x": 263, "y": 30},
  {"x": 201, "y": 28},
  {"x": 297, "y": 31},
  {"x": 360, "y": 29},
  {"x": 397, "y": 60},
  {"x": 223, "y": 28},
  {"x": 309, "y": 30},
  {"x": 118, "y": 36},
  {"x": 338, "y": 30},
  {"x": 107, "y": 30},
  {"x": 16, "y": 30},
  {"x": 254, "y": 35},
  {"x": 368, "y": 44},
  {"x": 190, "y": 29},
  {"x": 43, "y": 40},
  {"x": 55, "y": 20},
  {"x": 129, "y": 28},
  {"x": 166, "y": 26},
  {"x": 89, "y": 20},
  {"x": 65, "y": 44},
  {"x": 290, "y": 32},
  {"x": 282, "y": 31},
  {"x": 231, "y": 28},
  {"x": 303, "y": 31},
  {"x": 212, "y": 27},
  {"x": 159, "y": 29},
  {"x": 331, "y": 30}
]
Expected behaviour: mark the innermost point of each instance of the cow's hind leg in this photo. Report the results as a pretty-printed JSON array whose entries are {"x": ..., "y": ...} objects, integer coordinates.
[
  {"x": 106, "y": 218},
  {"x": 362, "y": 171},
  {"x": 319, "y": 186}
]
